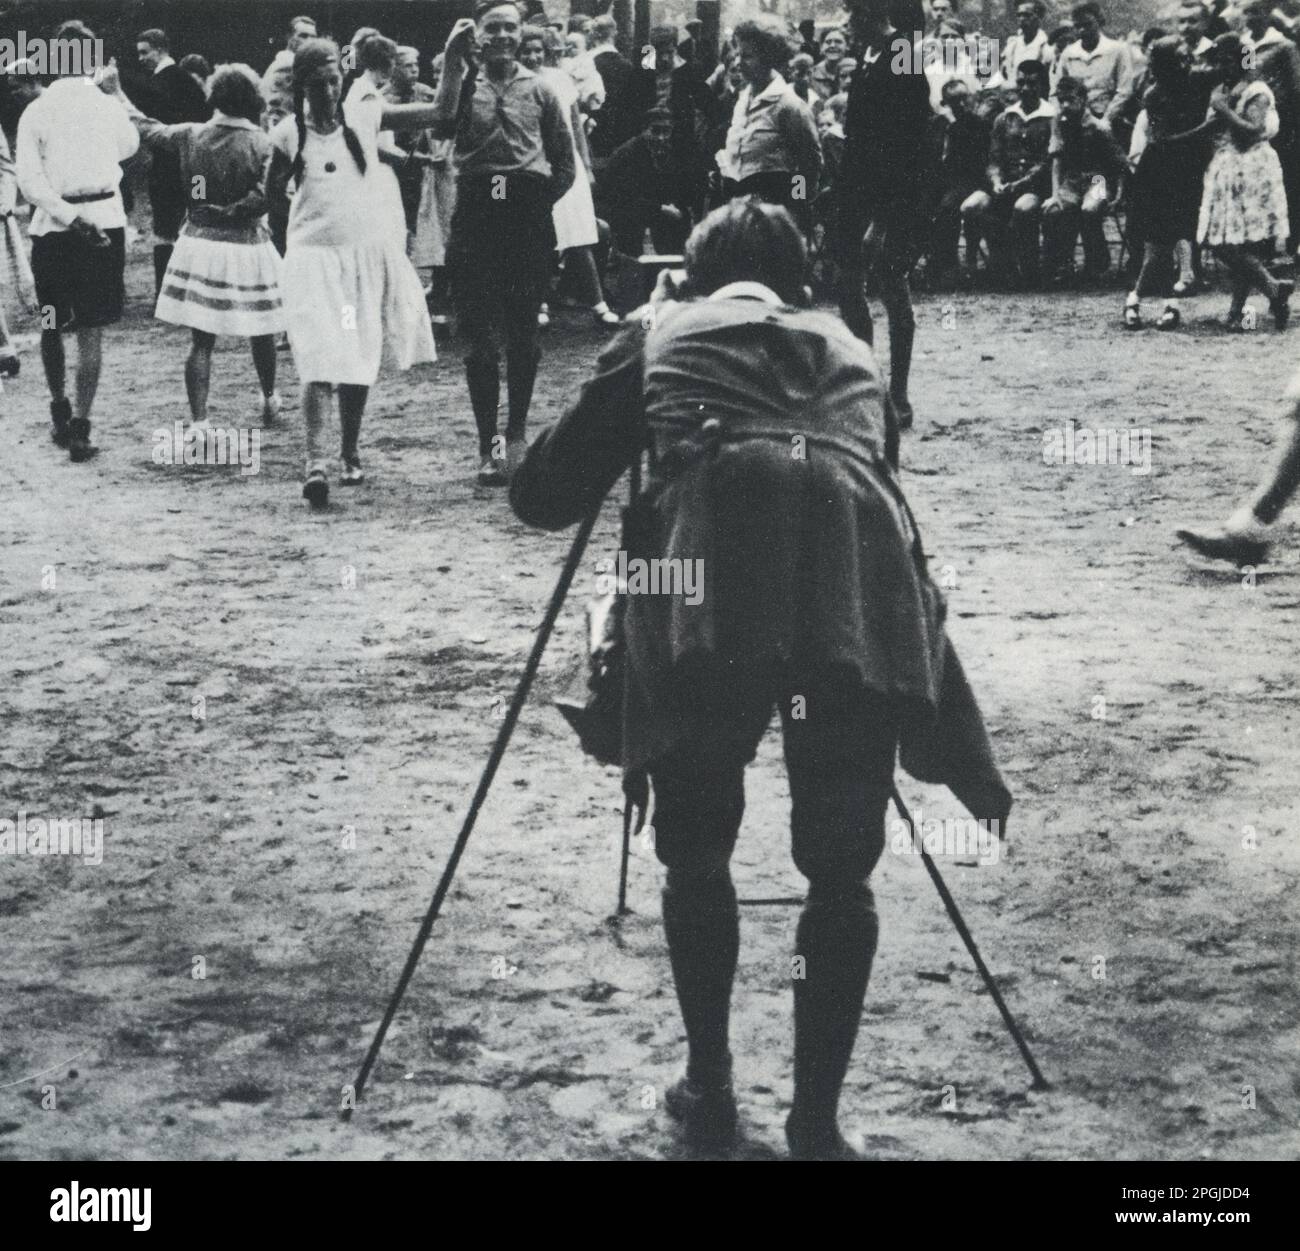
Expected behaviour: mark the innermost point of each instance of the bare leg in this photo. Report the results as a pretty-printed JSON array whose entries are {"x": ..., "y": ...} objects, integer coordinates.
[
  {"x": 1273, "y": 494},
  {"x": 198, "y": 373}
]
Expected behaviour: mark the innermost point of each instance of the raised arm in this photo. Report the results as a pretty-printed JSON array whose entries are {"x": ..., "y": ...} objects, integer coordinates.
[{"x": 446, "y": 101}]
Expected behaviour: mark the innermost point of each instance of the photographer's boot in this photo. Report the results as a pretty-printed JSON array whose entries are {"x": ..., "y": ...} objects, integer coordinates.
[
  {"x": 484, "y": 379},
  {"x": 837, "y": 939},
  {"x": 79, "y": 445},
  {"x": 702, "y": 926}
]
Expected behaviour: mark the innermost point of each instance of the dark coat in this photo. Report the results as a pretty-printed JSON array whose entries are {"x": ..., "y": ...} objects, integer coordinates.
[
  {"x": 171, "y": 95},
  {"x": 619, "y": 118},
  {"x": 811, "y": 561}
]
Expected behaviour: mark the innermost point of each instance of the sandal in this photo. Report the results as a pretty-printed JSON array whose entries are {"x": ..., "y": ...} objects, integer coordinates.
[
  {"x": 1170, "y": 319},
  {"x": 1132, "y": 317}
]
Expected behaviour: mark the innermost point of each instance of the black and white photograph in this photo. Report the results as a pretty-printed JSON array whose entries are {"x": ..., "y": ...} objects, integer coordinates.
[{"x": 690, "y": 581}]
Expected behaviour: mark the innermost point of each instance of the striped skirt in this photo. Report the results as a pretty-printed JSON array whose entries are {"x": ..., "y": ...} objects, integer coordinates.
[{"x": 225, "y": 280}]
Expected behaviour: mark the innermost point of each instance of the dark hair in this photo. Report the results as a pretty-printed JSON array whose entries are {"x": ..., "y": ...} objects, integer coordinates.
[
  {"x": 1229, "y": 47},
  {"x": 1071, "y": 87},
  {"x": 951, "y": 85},
  {"x": 1165, "y": 61},
  {"x": 75, "y": 30},
  {"x": 192, "y": 63},
  {"x": 237, "y": 93},
  {"x": 155, "y": 38},
  {"x": 747, "y": 240},
  {"x": 485, "y": 6},
  {"x": 1089, "y": 8},
  {"x": 1151, "y": 34},
  {"x": 377, "y": 52},
  {"x": 314, "y": 55},
  {"x": 1037, "y": 71},
  {"x": 767, "y": 37},
  {"x": 529, "y": 33},
  {"x": 663, "y": 34}
]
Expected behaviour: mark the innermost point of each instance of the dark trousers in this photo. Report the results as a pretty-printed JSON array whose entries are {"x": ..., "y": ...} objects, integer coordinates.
[
  {"x": 840, "y": 746},
  {"x": 628, "y": 232},
  {"x": 499, "y": 260},
  {"x": 780, "y": 187}
]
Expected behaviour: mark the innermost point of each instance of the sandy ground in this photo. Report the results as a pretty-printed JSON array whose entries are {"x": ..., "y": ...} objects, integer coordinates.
[{"x": 282, "y": 717}]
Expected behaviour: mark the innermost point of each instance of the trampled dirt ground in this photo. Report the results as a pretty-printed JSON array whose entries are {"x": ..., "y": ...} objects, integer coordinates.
[{"x": 351, "y": 669}]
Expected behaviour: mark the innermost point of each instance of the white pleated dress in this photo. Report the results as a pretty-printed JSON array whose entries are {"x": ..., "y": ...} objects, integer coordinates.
[{"x": 349, "y": 292}]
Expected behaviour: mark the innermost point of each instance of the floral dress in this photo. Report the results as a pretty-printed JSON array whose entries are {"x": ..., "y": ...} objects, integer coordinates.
[{"x": 1244, "y": 198}]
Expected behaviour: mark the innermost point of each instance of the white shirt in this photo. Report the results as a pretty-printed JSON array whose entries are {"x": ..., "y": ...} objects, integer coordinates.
[
  {"x": 1019, "y": 49},
  {"x": 70, "y": 142}
]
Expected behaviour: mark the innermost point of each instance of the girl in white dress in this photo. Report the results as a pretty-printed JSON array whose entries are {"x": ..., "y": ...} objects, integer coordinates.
[
  {"x": 348, "y": 288},
  {"x": 376, "y": 55},
  {"x": 574, "y": 215}
]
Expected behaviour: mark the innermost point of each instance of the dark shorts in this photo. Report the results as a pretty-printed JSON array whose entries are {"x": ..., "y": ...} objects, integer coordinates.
[
  {"x": 83, "y": 284},
  {"x": 501, "y": 252}
]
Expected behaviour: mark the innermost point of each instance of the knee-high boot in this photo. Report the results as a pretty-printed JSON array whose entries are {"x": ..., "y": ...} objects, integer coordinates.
[
  {"x": 837, "y": 939},
  {"x": 702, "y": 926}
]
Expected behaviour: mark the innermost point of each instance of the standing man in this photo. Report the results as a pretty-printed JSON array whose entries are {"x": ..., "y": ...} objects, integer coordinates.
[
  {"x": 1192, "y": 22},
  {"x": 70, "y": 143},
  {"x": 1101, "y": 63},
  {"x": 277, "y": 82},
  {"x": 1030, "y": 43},
  {"x": 617, "y": 120},
  {"x": 405, "y": 87},
  {"x": 676, "y": 84},
  {"x": 171, "y": 96},
  {"x": 514, "y": 160},
  {"x": 882, "y": 186}
]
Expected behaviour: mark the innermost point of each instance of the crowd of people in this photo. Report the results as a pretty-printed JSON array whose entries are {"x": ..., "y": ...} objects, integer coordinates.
[{"x": 534, "y": 160}]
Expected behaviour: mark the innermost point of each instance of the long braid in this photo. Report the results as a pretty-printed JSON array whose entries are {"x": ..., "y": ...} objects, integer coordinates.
[
  {"x": 297, "y": 170},
  {"x": 354, "y": 144}
]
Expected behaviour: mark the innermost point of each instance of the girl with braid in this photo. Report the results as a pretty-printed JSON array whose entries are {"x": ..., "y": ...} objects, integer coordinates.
[{"x": 348, "y": 288}]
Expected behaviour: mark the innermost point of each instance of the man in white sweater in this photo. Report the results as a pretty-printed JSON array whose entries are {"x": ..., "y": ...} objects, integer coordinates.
[{"x": 70, "y": 143}]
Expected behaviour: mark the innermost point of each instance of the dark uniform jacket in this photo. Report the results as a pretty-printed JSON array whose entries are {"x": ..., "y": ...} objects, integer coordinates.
[{"x": 767, "y": 431}]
